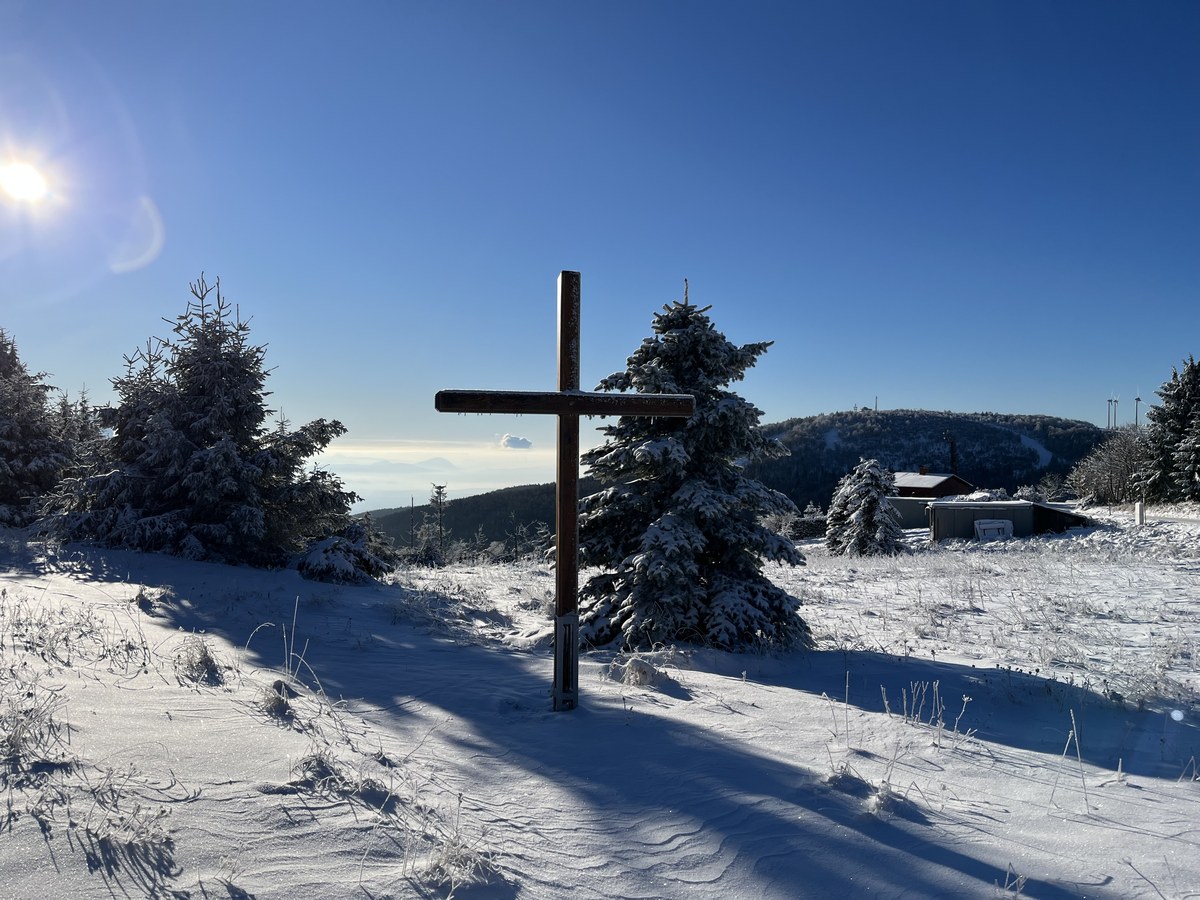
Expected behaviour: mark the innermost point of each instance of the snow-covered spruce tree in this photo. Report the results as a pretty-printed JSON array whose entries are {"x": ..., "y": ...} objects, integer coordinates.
[
  {"x": 77, "y": 424},
  {"x": 432, "y": 534},
  {"x": 860, "y": 521},
  {"x": 193, "y": 469},
  {"x": 1169, "y": 465},
  {"x": 113, "y": 499},
  {"x": 431, "y": 543},
  {"x": 678, "y": 531},
  {"x": 32, "y": 453}
]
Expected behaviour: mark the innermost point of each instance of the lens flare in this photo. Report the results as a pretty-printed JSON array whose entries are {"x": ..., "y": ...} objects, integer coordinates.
[{"x": 22, "y": 182}]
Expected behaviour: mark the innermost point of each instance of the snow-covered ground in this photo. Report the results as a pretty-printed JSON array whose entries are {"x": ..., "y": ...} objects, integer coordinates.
[{"x": 990, "y": 720}]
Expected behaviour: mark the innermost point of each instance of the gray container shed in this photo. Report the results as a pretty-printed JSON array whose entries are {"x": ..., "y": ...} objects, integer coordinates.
[
  {"x": 955, "y": 520},
  {"x": 913, "y": 511}
]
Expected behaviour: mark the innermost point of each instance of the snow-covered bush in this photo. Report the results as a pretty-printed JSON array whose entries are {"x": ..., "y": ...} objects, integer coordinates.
[
  {"x": 983, "y": 495},
  {"x": 1030, "y": 493},
  {"x": 798, "y": 526},
  {"x": 357, "y": 554},
  {"x": 1109, "y": 473},
  {"x": 678, "y": 532},
  {"x": 861, "y": 521},
  {"x": 1053, "y": 487}
]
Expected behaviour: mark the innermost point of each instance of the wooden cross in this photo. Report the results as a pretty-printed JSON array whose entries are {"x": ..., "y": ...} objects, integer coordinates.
[{"x": 568, "y": 403}]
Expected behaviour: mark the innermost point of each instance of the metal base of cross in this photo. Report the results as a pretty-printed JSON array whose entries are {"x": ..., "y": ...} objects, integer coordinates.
[{"x": 566, "y": 662}]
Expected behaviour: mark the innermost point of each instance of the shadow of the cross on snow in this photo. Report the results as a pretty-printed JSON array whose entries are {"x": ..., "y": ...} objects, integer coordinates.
[
  {"x": 688, "y": 790},
  {"x": 780, "y": 822}
]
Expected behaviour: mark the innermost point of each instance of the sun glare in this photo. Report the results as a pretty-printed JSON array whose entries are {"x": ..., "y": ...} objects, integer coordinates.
[{"x": 22, "y": 182}]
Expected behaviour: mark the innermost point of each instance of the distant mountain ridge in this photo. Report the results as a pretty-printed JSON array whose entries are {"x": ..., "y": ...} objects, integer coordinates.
[{"x": 992, "y": 450}]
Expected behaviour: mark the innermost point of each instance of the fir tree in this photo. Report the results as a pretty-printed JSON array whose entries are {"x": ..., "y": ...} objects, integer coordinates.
[
  {"x": 436, "y": 519},
  {"x": 32, "y": 452},
  {"x": 192, "y": 468},
  {"x": 1187, "y": 461},
  {"x": 77, "y": 424},
  {"x": 679, "y": 530},
  {"x": 431, "y": 545},
  {"x": 1169, "y": 463},
  {"x": 860, "y": 521}
]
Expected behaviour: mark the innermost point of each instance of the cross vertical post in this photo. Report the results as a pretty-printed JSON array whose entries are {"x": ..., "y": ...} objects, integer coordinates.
[
  {"x": 568, "y": 403},
  {"x": 566, "y": 510}
]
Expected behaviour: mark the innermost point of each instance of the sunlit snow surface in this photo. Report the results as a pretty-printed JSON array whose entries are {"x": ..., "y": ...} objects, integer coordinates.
[{"x": 977, "y": 721}]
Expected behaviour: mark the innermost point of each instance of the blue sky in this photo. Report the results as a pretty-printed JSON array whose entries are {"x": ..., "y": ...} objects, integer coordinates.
[{"x": 965, "y": 206}]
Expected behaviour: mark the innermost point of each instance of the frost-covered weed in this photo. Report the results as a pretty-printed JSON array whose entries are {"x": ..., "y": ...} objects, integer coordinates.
[
  {"x": 455, "y": 603},
  {"x": 439, "y": 850},
  {"x": 1014, "y": 884},
  {"x": 31, "y": 733},
  {"x": 275, "y": 702},
  {"x": 71, "y": 635},
  {"x": 119, "y": 815},
  {"x": 459, "y": 860},
  {"x": 195, "y": 661}
]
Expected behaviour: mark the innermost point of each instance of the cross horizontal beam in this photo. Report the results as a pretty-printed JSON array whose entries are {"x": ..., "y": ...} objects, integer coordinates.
[{"x": 578, "y": 403}]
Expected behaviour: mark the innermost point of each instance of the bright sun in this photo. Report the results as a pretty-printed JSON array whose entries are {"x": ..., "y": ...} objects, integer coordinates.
[{"x": 22, "y": 182}]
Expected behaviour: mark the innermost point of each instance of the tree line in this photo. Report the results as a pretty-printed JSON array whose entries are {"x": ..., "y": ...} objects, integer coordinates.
[
  {"x": 187, "y": 461},
  {"x": 1158, "y": 462},
  {"x": 190, "y": 460}
]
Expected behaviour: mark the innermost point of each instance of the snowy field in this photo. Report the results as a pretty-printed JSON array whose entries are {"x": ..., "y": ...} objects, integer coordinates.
[{"x": 1007, "y": 719}]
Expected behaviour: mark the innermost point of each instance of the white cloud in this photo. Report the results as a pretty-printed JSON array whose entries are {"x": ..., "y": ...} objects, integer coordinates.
[{"x": 512, "y": 442}]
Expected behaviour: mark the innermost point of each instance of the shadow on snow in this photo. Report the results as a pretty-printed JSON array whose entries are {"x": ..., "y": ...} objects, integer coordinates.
[{"x": 681, "y": 789}]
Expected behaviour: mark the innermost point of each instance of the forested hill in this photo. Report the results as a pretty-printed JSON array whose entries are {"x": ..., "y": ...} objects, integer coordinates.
[
  {"x": 497, "y": 514},
  {"x": 993, "y": 450}
]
